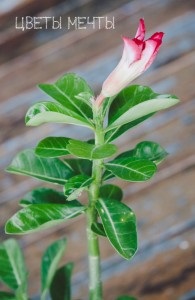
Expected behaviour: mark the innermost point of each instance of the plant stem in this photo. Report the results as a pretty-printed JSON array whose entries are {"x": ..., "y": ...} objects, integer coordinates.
[{"x": 95, "y": 284}]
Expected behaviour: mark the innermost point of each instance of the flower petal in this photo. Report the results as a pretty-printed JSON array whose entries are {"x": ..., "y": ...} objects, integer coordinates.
[
  {"x": 157, "y": 41},
  {"x": 131, "y": 52},
  {"x": 140, "y": 34}
]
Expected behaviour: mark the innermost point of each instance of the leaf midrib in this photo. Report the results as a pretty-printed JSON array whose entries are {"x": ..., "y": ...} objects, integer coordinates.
[
  {"x": 72, "y": 102},
  {"x": 34, "y": 175},
  {"x": 125, "y": 167},
  {"x": 111, "y": 222}
]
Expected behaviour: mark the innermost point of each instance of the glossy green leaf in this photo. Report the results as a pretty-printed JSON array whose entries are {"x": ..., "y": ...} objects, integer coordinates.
[
  {"x": 144, "y": 109},
  {"x": 113, "y": 133},
  {"x": 120, "y": 226},
  {"x": 132, "y": 169},
  {"x": 7, "y": 296},
  {"x": 111, "y": 191},
  {"x": 133, "y": 96},
  {"x": 79, "y": 166},
  {"x": 151, "y": 151},
  {"x": 87, "y": 98},
  {"x": 75, "y": 185},
  {"x": 36, "y": 217},
  {"x": 61, "y": 285},
  {"x": 12, "y": 267},
  {"x": 47, "y": 169},
  {"x": 98, "y": 228},
  {"x": 72, "y": 92},
  {"x": 49, "y": 112},
  {"x": 52, "y": 147},
  {"x": 132, "y": 106},
  {"x": 127, "y": 154},
  {"x": 89, "y": 151},
  {"x": 126, "y": 298},
  {"x": 49, "y": 264},
  {"x": 146, "y": 150},
  {"x": 43, "y": 195}
]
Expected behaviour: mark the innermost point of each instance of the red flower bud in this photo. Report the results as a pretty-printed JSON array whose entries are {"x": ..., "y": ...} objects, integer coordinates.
[{"x": 138, "y": 55}]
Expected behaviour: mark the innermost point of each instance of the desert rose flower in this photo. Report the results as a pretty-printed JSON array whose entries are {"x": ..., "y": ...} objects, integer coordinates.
[{"x": 138, "y": 55}]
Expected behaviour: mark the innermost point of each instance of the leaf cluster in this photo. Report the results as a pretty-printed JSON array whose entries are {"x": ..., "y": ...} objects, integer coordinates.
[{"x": 69, "y": 162}]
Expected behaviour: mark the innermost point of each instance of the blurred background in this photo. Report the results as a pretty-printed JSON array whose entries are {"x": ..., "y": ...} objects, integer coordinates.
[{"x": 164, "y": 267}]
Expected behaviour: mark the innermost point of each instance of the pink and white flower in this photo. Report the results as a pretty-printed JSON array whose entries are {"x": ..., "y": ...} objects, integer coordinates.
[{"x": 138, "y": 55}]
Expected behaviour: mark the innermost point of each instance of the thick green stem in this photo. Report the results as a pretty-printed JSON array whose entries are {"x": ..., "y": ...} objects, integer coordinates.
[
  {"x": 20, "y": 295},
  {"x": 95, "y": 284}
]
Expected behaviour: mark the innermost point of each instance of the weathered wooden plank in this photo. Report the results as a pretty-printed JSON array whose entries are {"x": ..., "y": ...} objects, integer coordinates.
[
  {"x": 163, "y": 268},
  {"x": 57, "y": 56},
  {"x": 168, "y": 275}
]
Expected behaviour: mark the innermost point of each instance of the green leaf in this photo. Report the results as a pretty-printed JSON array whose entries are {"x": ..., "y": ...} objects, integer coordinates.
[
  {"x": 36, "y": 217},
  {"x": 144, "y": 109},
  {"x": 127, "y": 154},
  {"x": 12, "y": 267},
  {"x": 98, "y": 228},
  {"x": 79, "y": 166},
  {"x": 71, "y": 91},
  {"x": 49, "y": 264},
  {"x": 47, "y": 169},
  {"x": 52, "y": 147},
  {"x": 75, "y": 185},
  {"x": 61, "y": 285},
  {"x": 133, "y": 96},
  {"x": 111, "y": 191},
  {"x": 48, "y": 112},
  {"x": 146, "y": 150},
  {"x": 126, "y": 298},
  {"x": 87, "y": 98},
  {"x": 151, "y": 151},
  {"x": 43, "y": 195},
  {"x": 89, "y": 151},
  {"x": 120, "y": 226},
  {"x": 132, "y": 169},
  {"x": 7, "y": 296},
  {"x": 132, "y": 106},
  {"x": 114, "y": 133}
]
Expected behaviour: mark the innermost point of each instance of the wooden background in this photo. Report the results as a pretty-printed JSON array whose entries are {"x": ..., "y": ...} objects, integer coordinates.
[{"x": 164, "y": 267}]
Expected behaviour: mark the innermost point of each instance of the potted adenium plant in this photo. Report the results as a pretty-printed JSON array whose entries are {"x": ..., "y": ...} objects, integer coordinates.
[{"x": 79, "y": 166}]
